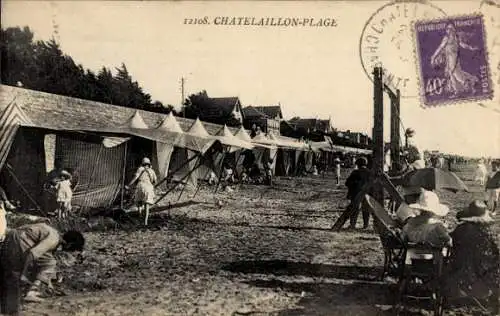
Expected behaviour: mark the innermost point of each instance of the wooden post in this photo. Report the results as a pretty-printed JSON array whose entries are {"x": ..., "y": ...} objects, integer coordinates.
[
  {"x": 395, "y": 135},
  {"x": 378, "y": 131}
]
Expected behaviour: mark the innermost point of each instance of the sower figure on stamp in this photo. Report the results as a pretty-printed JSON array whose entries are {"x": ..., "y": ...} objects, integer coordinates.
[
  {"x": 355, "y": 182},
  {"x": 448, "y": 54},
  {"x": 27, "y": 257}
]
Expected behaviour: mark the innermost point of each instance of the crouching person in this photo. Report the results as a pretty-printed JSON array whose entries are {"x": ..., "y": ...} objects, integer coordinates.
[{"x": 27, "y": 257}]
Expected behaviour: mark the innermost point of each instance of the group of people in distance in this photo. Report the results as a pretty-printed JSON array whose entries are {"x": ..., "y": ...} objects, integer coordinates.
[
  {"x": 473, "y": 268},
  {"x": 249, "y": 175}
]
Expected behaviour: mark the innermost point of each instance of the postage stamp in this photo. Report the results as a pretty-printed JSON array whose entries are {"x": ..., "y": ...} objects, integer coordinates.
[{"x": 453, "y": 60}]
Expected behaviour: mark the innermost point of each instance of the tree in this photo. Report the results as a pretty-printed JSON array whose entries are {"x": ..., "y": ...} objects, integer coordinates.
[
  {"x": 17, "y": 56},
  {"x": 43, "y": 66},
  {"x": 157, "y": 106}
]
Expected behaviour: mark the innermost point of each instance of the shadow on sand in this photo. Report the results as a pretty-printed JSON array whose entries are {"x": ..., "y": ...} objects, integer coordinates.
[
  {"x": 353, "y": 290},
  {"x": 291, "y": 268}
]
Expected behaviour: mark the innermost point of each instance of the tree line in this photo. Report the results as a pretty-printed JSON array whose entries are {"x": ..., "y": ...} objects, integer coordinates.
[{"x": 42, "y": 66}]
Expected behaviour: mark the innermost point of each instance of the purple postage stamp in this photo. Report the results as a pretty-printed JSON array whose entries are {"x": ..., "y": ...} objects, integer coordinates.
[{"x": 453, "y": 60}]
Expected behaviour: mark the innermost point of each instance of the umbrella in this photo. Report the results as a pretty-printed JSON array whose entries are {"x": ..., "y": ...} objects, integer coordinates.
[
  {"x": 433, "y": 179},
  {"x": 494, "y": 182}
]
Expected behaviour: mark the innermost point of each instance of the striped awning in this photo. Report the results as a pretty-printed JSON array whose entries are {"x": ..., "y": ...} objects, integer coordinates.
[{"x": 11, "y": 117}]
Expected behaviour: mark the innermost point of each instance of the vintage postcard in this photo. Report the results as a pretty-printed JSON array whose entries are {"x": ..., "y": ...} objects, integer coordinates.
[{"x": 250, "y": 157}]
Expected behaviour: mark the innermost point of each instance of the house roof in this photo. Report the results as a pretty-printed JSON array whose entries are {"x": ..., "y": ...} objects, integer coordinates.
[
  {"x": 226, "y": 105},
  {"x": 65, "y": 113},
  {"x": 270, "y": 111},
  {"x": 251, "y": 111},
  {"x": 262, "y": 111},
  {"x": 218, "y": 107}
]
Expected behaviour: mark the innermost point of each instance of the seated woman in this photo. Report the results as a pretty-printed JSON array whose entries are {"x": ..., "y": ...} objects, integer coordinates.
[
  {"x": 474, "y": 265},
  {"x": 427, "y": 227}
]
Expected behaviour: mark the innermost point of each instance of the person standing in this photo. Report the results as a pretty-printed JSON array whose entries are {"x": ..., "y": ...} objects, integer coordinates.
[
  {"x": 481, "y": 172},
  {"x": 269, "y": 172},
  {"x": 493, "y": 193},
  {"x": 355, "y": 182},
  {"x": 27, "y": 257},
  {"x": 337, "y": 170},
  {"x": 64, "y": 194},
  {"x": 144, "y": 193}
]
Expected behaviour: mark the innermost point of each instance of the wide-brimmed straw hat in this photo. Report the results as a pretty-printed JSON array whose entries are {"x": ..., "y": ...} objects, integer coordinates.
[
  {"x": 477, "y": 211},
  {"x": 146, "y": 161},
  {"x": 65, "y": 173},
  {"x": 429, "y": 201}
]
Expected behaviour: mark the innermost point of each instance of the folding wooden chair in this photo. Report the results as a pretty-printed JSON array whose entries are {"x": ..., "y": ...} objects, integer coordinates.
[{"x": 391, "y": 237}]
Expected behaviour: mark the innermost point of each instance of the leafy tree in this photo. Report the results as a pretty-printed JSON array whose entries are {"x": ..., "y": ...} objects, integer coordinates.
[{"x": 43, "y": 66}]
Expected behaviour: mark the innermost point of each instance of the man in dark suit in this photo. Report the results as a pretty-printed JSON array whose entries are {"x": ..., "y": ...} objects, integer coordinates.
[{"x": 355, "y": 182}]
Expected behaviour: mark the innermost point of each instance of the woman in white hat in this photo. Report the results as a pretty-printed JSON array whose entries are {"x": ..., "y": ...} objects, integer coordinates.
[
  {"x": 144, "y": 194},
  {"x": 474, "y": 266},
  {"x": 427, "y": 226}
]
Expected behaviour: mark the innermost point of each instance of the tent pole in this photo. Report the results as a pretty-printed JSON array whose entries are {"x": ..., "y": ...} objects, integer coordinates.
[
  {"x": 123, "y": 176},
  {"x": 190, "y": 173},
  {"x": 179, "y": 168},
  {"x": 182, "y": 179},
  {"x": 220, "y": 171},
  {"x": 199, "y": 185},
  {"x": 13, "y": 175}
]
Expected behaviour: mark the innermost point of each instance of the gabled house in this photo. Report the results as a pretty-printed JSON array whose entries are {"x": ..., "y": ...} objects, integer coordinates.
[
  {"x": 265, "y": 118},
  {"x": 226, "y": 110},
  {"x": 223, "y": 107}
]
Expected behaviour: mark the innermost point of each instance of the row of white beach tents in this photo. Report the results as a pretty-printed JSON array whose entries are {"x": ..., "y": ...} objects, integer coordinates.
[{"x": 103, "y": 145}]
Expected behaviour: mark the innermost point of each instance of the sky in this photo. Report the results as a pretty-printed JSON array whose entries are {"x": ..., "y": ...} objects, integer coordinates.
[{"x": 311, "y": 71}]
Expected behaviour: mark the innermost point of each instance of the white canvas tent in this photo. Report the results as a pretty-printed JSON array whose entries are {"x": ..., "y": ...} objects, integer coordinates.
[
  {"x": 227, "y": 138},
  {"x": 195, "y": 142}
]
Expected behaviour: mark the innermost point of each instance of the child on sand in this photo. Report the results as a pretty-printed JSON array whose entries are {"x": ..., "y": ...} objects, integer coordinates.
[{"x": 64, "y": 194}]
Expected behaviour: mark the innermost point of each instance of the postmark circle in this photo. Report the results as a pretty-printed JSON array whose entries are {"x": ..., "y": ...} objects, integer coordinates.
[{"x": 387, "y": 40}]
